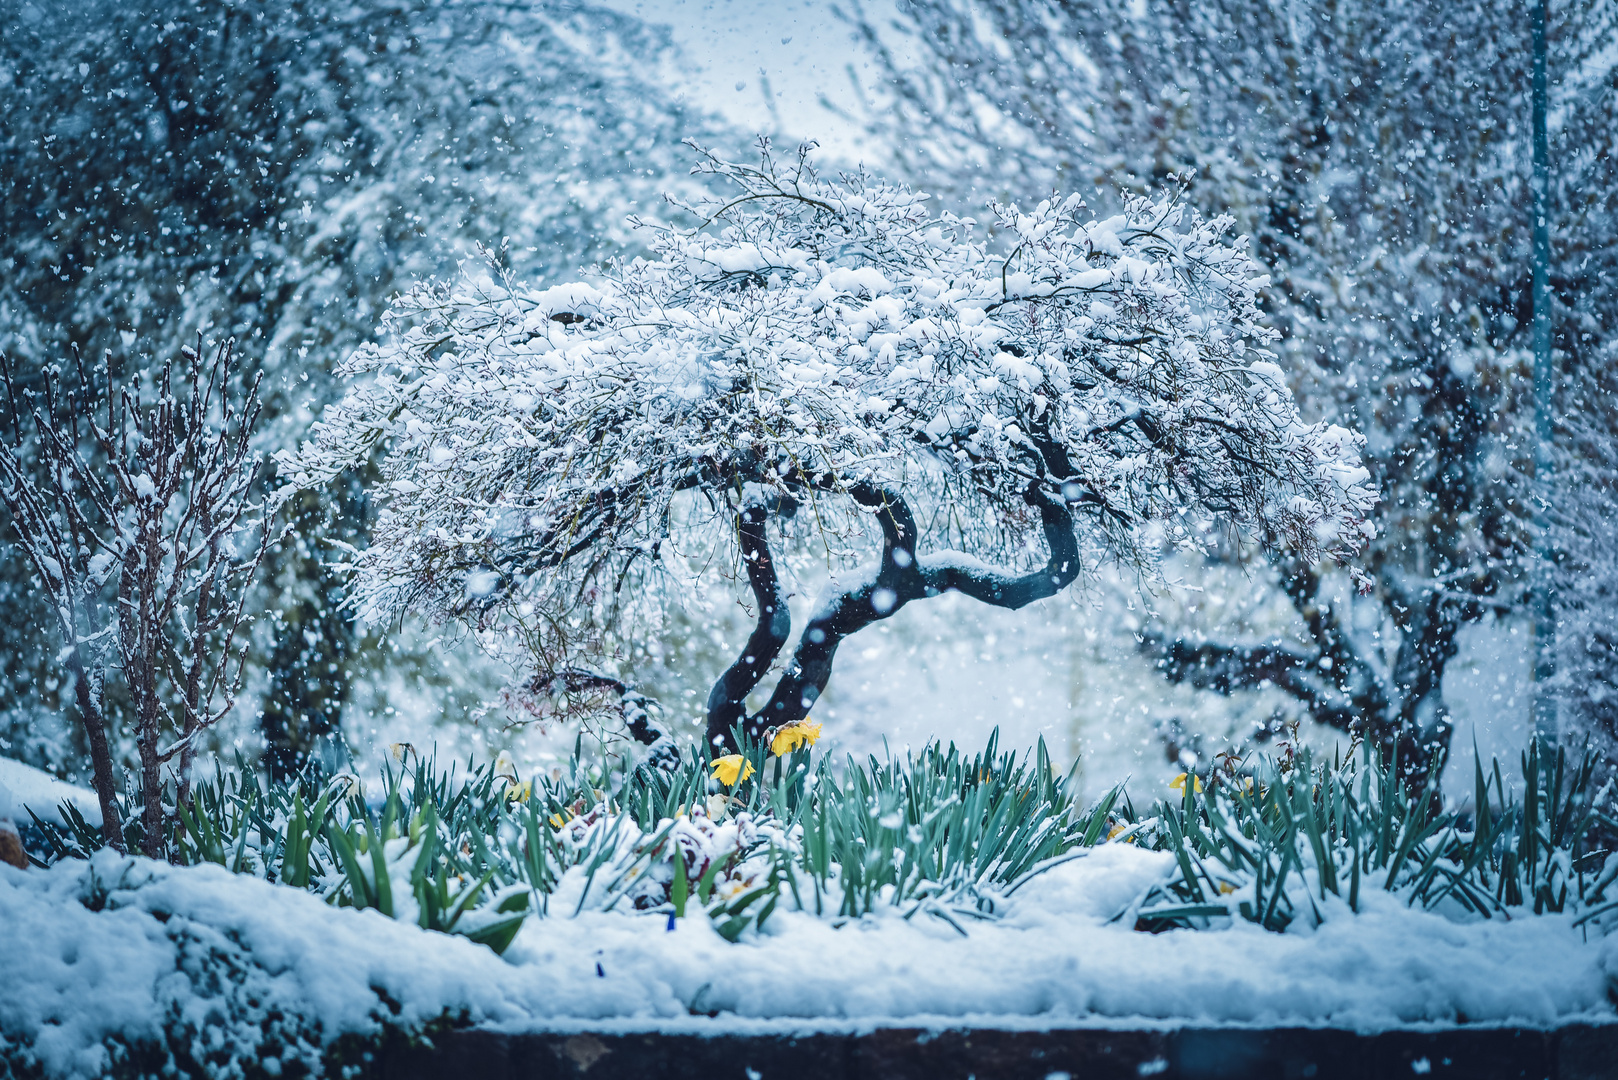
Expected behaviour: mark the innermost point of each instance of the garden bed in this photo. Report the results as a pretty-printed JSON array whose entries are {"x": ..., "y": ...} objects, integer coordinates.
[
  {"x": 938, "y": 893},
  {"x": 118, "y": 961}
]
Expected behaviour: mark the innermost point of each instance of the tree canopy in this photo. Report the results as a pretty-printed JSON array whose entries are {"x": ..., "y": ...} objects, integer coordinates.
[{"x": 831, "y": 351}]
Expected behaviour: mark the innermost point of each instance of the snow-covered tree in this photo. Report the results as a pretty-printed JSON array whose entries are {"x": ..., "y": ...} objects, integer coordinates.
[
  {"x": 1379, "y": 156},
  {"x": 276, "y": 173},
  {"x": 132, "y": 511},
  {"x": 821, "y": 358}
]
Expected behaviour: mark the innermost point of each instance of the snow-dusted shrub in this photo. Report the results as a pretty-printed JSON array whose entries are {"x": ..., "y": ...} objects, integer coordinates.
[
  {"x": 1292, "y": 840},
  {"x": 939, "y": 832},
  {"x": 137, "y": 508},
  {"x": 828, "y": 356}
]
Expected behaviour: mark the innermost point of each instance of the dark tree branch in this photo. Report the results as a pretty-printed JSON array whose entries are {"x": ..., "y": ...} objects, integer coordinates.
[
  {"x": 1337, "y": 684},
  {"x": 944, "y": 571},
  {"x": 634, "y": 706},
  {"x": 898, "y": 581},
  {"x": 1407, "y": 719},
  {"x": 1228, "y": 668},
  {"x": 1351, "y": 671}
]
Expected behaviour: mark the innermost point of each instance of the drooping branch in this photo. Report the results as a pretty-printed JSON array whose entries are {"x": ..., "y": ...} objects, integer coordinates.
[
  {"x": 948, "y": 570},
  {"x": 727, "y": 702},
  {"x": 635, "y": 707}
]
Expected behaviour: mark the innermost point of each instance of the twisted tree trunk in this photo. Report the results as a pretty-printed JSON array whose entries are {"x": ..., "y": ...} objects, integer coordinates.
[{"x": 902, "y": 576}]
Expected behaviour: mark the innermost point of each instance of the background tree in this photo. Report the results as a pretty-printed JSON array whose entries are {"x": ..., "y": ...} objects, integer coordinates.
[
  {"x": 1378, "y": 156},
  {"x": 1584, "y": 277},
  {"x": 277, "y": 173},
  {"x": 816, "y": 359}
]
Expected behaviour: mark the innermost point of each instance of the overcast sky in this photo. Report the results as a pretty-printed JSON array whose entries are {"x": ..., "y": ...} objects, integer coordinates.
[{"x": 767, "y": 66}]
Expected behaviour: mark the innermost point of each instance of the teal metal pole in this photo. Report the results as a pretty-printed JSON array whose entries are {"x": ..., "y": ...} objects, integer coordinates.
[{"x": 1544, "y": 592}]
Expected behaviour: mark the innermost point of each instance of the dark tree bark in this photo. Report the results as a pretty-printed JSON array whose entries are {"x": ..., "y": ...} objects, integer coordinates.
[
  {"x": 902, "y": 576},
  {"x": 727, "y": 701},
  {"x": 95, "y": 730}
]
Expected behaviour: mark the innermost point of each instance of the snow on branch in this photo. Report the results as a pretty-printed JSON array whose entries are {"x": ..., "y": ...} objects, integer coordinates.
[{"x": 814, "y": 336}]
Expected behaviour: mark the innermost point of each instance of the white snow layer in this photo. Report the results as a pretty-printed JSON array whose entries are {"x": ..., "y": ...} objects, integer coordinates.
[
  {"x": 78, "y": 982},
  {"x": 24, "y": 788}
]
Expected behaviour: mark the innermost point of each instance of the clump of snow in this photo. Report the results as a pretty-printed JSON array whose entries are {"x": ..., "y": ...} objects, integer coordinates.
[{"x": 209, "y": 967}]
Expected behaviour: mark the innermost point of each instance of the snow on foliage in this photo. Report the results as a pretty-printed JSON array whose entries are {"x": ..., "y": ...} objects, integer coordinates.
[
  {"x": 830, "y": 346},
  {"x": 121, "y": 960}
]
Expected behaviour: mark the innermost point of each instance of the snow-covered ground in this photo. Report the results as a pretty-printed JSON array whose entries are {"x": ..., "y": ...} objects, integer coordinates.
[{"x": 215, "y": 963}]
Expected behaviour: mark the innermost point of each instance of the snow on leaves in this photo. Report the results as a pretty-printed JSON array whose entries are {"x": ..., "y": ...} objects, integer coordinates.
[{"x": 809, "y": 336}]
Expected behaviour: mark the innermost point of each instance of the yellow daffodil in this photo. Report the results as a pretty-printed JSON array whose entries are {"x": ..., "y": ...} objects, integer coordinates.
[
  {"x": 520, "y": 792},
  {"x": 557, "y": 821},
  {"x": 789, "y": 737},
  {"x": 1226, "y": 888},
  {"x": 505, "y": 769},
  {"x": 400, "y": 750},
  {"x": 731, "y": 769},
  {"x": 730, "y": 889},
  {"x": 1122, "y": 826},
  {"x": 345, "y": 784},
  {"x": 1178, "y": 784}
]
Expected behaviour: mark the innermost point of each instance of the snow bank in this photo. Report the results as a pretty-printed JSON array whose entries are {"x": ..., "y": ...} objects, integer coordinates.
[
  {"x": 211, "y": 965},
  {"x": 39, "y": 791},
  {"x": 200, "y": 962}
]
